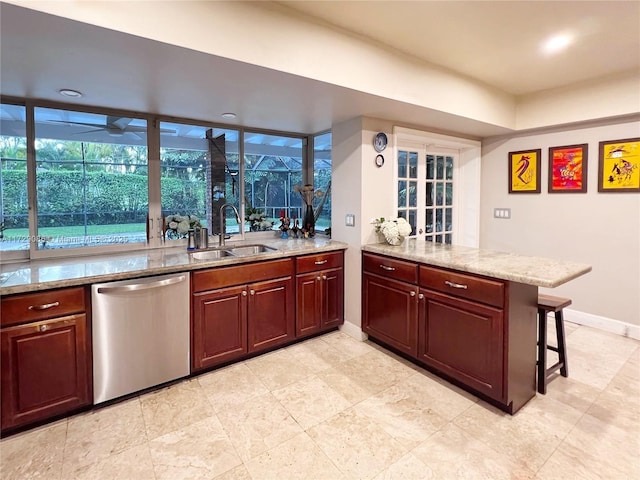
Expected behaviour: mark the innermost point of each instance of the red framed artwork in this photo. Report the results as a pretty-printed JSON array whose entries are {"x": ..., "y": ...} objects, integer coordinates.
[
  {"x": 619, "y": 166},
  {"x": 568, "y": 169},
  {"x": 524, "y": 171}
]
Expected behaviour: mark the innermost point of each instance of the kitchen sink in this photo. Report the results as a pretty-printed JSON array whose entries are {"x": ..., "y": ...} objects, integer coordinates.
[
  {"x": 210, "y": 254},
  {"x": 239, "y": 251},
  {"x": 246, "y": 250}
]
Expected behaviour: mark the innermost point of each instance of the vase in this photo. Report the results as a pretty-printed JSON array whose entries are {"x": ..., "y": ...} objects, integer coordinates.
[
  {"x": 395, "y": 240},
  {"x": 309, "y": 222}
]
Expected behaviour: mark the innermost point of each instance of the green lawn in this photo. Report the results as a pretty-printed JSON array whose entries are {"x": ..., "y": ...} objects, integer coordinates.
[{"x": 75, "y": 231}]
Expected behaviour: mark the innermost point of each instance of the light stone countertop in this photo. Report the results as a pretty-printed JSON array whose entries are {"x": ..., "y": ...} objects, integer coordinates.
[
  {"x": 539, "y": 271},
  {"x": 37, "y": 275}
]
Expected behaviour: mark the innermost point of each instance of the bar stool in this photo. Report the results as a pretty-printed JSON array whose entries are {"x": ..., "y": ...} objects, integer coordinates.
[{"x": 546, "y": 304}]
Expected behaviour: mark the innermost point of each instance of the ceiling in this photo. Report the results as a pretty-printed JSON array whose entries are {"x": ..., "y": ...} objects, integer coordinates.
[{"x": 494, "y": 42}]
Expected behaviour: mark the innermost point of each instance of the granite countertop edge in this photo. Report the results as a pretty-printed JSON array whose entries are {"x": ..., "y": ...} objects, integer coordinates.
[
  {"x": 21, "y": 277},
  {"x": 529, "y": 270}
]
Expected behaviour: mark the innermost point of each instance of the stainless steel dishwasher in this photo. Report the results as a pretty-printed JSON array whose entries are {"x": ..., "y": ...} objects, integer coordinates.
[{"x": 140, "y": 334}]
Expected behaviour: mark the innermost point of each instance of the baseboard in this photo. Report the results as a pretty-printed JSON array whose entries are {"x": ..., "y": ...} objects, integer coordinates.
[
  {"x": 354, "y": 331},
  {"x": 603, "y": 323}
]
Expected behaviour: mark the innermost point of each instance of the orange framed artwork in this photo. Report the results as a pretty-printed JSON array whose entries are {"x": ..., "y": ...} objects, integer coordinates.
[
  {"x": 568, "y": 169},
  {"x": 619, "y": 166},
  {"x": 524, "y": 171}
]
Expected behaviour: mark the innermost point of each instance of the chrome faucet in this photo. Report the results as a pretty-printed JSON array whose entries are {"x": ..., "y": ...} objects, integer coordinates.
[{"x": 222, "y": 222}]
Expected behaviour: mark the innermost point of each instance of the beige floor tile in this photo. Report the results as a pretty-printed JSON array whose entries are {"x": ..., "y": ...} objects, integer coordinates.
[
  {"x": 134, "y": 463},
  {"x": 310, "y": 401},
  {"x": 451, "y": 453},
  {"x": 258, "y": 425},
  {"x": 96, "y": 435},
  {"x": 174, "y": 407},
  {"x": 407, "y": 468},
  {"x": 297, "y": 458},
  {"x": 572, "y": 392},
  {"x": 529, "y": 437},
  {"x": 238, "y": 473},
  {"x": 200, "y": 451},
  {"x": 356, "y": 444},
  {"x": 346, "y": 384},
  {"x": 35, "y": 454},
  {"x": 231, "y": 386},
  {"x": 278, "y": 369},
  {"x": 317, "y": 354},
  {"x": 568, "y": 462},
  {"x": 615, "y": 447},
  {"x": 346, "y": 344}
]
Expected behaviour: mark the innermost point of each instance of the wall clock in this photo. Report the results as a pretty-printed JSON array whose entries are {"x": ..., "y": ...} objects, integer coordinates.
[
  {"x": 380, "y": 142},
  {"x": 379, "y": 160}
]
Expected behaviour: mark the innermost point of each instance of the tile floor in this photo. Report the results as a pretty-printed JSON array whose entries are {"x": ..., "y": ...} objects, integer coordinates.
[{"x": 334, "y": 408}]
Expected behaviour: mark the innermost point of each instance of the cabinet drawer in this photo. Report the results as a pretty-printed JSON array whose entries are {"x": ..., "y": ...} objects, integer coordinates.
[
  {"x": 462, "y": 285},
  {"x": 236, "y": 275},
  {"x": 319, "y": 261},
  {"x": 390, "y": 268},
  {"x": 28, "y": 307}
]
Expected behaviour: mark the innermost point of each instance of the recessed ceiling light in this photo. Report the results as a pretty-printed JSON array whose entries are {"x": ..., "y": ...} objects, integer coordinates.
[
  {"x": 557, "y": 43},
  {"x": 68, "y": 92},
  {"x": 229, "y": 115}
]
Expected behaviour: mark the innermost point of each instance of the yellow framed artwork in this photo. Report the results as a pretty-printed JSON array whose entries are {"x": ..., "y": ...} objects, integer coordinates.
[
  {"x": 619, "y": 166},
  {"x": 524, "y": 171}
]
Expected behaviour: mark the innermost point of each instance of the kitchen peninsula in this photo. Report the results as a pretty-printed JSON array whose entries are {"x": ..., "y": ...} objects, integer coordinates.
[{"x": 466, "y": 313}]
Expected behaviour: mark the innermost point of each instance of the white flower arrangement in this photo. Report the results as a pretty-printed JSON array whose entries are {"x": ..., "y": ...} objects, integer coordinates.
[
  {"x": 394, "y": 229},
  {"x": 177, "y": 226}
]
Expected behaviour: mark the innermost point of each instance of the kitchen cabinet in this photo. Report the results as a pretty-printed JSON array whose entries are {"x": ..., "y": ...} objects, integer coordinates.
[
  {"x": 45, "y": 354},
  {"x": 389, "y": 302},
  {"x": 477, "y": 331},
  {"x": 319, "y": 293},
  {"x": 241, "y": 309}
]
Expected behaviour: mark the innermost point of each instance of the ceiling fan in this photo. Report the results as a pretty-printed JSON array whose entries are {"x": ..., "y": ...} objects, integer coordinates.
[{"x": 115, "y": 126}]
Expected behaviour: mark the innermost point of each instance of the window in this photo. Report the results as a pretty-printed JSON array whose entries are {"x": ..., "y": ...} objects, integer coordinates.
[
  {"x": 14, "y": 200},
  {"x": 322, "y": 178},
  {"x": 408, "y": 187},
  {"x": 91, "y": 179},
  {"x": 439, "y": 198}
]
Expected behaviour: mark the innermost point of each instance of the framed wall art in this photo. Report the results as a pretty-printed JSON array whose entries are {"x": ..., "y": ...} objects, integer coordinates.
[
  {"x": 524, "y": 171},
  {"x": 568, "y": 169},
  {"x": 619, "y": 166}
]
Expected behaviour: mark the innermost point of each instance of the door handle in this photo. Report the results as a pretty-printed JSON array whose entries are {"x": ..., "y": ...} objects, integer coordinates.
[{"x": 142, "y": 286}]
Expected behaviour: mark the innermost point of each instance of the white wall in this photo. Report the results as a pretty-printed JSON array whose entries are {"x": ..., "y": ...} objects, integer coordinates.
[{"x": 600, "y": 229}]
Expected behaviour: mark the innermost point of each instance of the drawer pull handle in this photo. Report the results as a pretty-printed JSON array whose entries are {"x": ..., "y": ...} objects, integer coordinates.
[
  {"x": 455, "y": 285},
  {"x": 45, "y": 306},
  {"x": 320, "y": 262},
  {"x": 388, "y": 269}
]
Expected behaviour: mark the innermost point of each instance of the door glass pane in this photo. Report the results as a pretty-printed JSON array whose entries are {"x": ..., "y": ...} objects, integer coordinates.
[
  {"x": 272, "y": 170},
  {"x": 413, "y": 165},
  {"x": 413, "y": 194},
  {"x": 402, "y": 164},
  {"x": 402, "y": 193},
  {"x": 430, "y": 167},
  {"x": 439, "y": 167},
  {"x": 198, "y": 174},
  {"x": 412, "y": 221},
  {"x": 92, "y": 178},
  {"x": 449, "y": 194},
  {"x": 430, "y": 194},
  {"x": 429, "y": 228},
  {"x": 449, "y": 168},
  {"x": 439, "y": 199},
  {"x": 14, "y": 205},
  {"x": 322, "y": 178},
  {"x": 448, "y": 219},
  {"x": 438, "y": 220},
  {"x": 447, "y": 238}
]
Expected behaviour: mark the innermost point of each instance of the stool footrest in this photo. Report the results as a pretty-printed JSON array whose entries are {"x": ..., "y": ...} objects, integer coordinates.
[{"x": 554, "y": 367}]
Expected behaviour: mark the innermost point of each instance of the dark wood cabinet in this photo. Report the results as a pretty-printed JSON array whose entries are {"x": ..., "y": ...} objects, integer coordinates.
[
  {"x": 46, "y": 364},
  {"x": 219, "y": 326},
  {"x": 319, "y": 293},
  {"x": 390, "y": 312},
  {"x": 463, "y": 340},
  {"x": 233, "y": 316}
]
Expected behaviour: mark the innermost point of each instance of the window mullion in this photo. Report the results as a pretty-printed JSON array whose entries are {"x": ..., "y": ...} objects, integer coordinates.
[
  {"x": 31, "y": 179},
  {"x": 154, "y": 221}
]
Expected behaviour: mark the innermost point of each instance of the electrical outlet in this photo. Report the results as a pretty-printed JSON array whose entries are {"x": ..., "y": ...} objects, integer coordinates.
[
  {"x": 350, "y": 220},
  {"x": 502, "y": 213}
]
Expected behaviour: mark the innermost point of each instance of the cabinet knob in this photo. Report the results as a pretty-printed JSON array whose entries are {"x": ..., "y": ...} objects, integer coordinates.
[
  {"x": 318, "y": 278},
  {"x": 252, "y": 292},
  {"x": 43, "y": 328},
  {"x": 244, "y": 293},
  {"x": 324, "y": 277},
  {"x": 412, "y": 293},
  {"x": 421, "y": 296}
]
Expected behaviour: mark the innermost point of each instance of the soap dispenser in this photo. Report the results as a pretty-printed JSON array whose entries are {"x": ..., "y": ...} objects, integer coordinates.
[{"x": 191, "y": 239}]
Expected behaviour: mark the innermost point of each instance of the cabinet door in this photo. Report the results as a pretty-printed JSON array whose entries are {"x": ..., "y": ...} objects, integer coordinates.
[
  {"x": 463, "y": 340},
  {"x": 270, "y": 316},
  {"x": 219, "y": 326},
  {"x": 390, "y": 312},
  {"x": 45, "y": 369},
  {"x": 308, "y": 303},
  {"x": 332, "y": 298}
]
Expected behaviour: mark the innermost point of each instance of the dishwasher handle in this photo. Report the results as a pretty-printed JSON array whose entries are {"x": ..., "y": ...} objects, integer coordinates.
[{"x": 142, "y": 286}]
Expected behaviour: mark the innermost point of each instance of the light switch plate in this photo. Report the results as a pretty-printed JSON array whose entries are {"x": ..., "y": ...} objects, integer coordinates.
[
  {"x": 502, "y": 213},
  {"x": 350, "y": 220}
]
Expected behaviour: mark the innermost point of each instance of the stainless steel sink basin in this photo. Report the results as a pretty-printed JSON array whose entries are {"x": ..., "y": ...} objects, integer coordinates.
[
  {"x": 210, "y": 254},
  {"x": 246, "y": 250}
]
